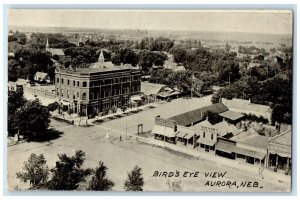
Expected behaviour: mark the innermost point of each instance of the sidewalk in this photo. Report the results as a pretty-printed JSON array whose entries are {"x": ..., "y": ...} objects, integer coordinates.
[{"x": 222, "y": 162}]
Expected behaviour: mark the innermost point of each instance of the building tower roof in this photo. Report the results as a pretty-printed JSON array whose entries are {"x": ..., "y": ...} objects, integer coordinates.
[{"x": 101, "y": 57}]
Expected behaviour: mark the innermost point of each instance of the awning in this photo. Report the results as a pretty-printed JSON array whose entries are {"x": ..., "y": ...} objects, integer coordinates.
[
  {"x": 65, "y": 103},
  {"x": 234, "y": 149},
  {"x": 162, "y": 130},
  {"x": 189, "y": 136},
  {"x": 281, "y": 154},
  {"x": 181, "y": 134},
  {"x": 206, "y": 142},
  {"x": 135, "y": 98},
  {"x": 225, "y": 147}
]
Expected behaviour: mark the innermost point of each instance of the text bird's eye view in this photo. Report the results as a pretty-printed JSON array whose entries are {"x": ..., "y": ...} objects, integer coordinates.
[{"x": 149, "y": 100}]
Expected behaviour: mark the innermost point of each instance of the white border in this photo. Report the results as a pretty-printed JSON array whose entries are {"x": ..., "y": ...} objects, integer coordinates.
[{"x": 110, "y": 2}]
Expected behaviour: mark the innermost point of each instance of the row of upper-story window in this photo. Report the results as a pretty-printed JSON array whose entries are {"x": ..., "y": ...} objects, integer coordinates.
[
  {"x": 96, "y": 95},
  {"x": 211, "y": 135},
  {"x": 97, "y": 83}
]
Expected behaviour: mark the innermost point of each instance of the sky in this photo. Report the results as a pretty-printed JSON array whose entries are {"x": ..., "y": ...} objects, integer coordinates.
[{"x": 263, "y": 21}]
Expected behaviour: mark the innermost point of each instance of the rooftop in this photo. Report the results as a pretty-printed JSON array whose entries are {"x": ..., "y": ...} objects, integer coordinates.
[
  {"x": 252, "y": 139},
  {"x": 284, "y": 138},
  {"x": 231, "y": 115},
  {"x": 151, "y": 88},
  {"x": 193, "y": 116},
  {"x": 243, "y": 104}
]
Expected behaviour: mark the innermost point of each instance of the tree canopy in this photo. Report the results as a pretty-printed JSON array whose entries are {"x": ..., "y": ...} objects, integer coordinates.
[{"x": 135, "y": 180}]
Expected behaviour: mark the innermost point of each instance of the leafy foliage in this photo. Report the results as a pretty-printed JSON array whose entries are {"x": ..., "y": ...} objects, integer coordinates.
[
  {"x": 35, "y": 170},
  {"x": 15, "y": 102},
  {"x": 99, "y": 181},
  {"x": 135, "y": 180},
  {"x": 68, "y": 172},
  {"x": 33, "y": 117}
]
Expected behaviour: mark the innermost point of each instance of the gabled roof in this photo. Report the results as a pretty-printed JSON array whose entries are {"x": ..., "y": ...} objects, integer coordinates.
[
  {"x": 224, "y": 128},
  {"x": 41, "y": 76},
  {"x": 22, "y": 81},
  {"x": 54, "y": 51},
  {"x": 197, "y": 115},
  {"x": 151, "y": 88}
]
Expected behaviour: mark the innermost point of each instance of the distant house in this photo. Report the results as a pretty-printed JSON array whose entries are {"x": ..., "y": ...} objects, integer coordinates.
[
  {"x": 151, "y": 89},
  {"x": 11, "y": 54},
  {"x": 54, "y": 51},
  {"x": 23, "y": 82},
  {"x": 231, "y": 116},
  {"x": 170, "y": 64},
  {"x": 245, "y": 106},
  {"x": 164, "y": 129},
  {"x": 252, "y": 148},
  {"x": 226, "y": 130},
  {"x": 42, "y": 77},
  {"x": 195, "y": 116},
  {"x": 13, "y": 86},
  {"x": 207, "y": 135},
  {"x": 280, "y": 151}
]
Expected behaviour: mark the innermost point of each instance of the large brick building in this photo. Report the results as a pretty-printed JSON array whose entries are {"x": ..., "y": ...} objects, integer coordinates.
[{"x": 97, "y": 89}]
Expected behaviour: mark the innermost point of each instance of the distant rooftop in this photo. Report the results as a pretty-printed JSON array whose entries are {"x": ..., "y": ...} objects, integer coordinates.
[{"x": 193, "y": 116}]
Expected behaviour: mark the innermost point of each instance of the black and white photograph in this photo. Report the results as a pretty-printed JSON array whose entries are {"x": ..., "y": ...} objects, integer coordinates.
[{"x": 150, "y": 100}]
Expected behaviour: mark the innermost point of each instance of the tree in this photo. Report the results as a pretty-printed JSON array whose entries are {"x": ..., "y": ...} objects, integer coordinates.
[
  {"x": 135, "y": 180},
  {"x": 67, "y": 174},
  {"x": 35, "y": 170},
  {"x": 99, "y": 181},
  {"x": 32, "y": 118},
  {"x": 15, "y": 101},
  {"x": 215, "y": 98}
]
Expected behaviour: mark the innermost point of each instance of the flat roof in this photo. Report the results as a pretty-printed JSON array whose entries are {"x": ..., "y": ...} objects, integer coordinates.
[{"x": 229, "y": 114}]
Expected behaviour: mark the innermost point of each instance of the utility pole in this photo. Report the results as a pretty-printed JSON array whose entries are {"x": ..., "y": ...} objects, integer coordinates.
[
  {"x": 126, "y": 127},
  {"x": 165, "y": 135},
  {"x": 192, "y": 85}
]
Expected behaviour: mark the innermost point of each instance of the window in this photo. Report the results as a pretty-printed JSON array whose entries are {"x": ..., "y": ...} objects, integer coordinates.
[
  {"x": 84, "y": 96},
  {"x": 57, "y": 92},
  {"x": 105, "y": 105},
  {"x": 62, "y": 81},
  {"x": 62, "y": 92},
  {"x": 84, "y": 84},
  {"x": 68, "y": 94},
  {"x": 57, "y": 80},
  {"x": 68, "y": 82},
  {"x": 74, "y": 96},
  {"x": 125, "y": 100},
  {"x": 74, "y": 83},
  {"x": 116, "y": 102},
  {"x": 77, "y": 94},
  {"x": 77, "y": 83},
  {"x": 203, "y": 134},
  {"x": 212, "y": 136}
]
